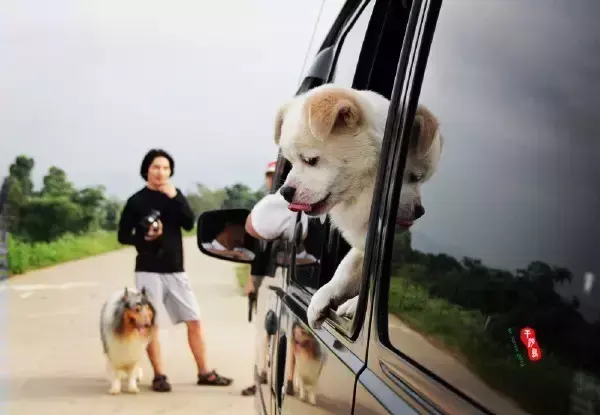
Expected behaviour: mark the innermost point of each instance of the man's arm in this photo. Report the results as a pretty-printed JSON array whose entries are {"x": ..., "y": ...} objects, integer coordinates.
[
  {"x": 184, "y": 212},
  {"x": 127, "y": 225},
  {"x": 269, "y": 218}
]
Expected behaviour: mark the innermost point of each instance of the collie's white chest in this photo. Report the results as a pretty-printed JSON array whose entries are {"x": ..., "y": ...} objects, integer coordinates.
[
  {"x": 308, "y": 369},
  {"x": 126, "y": 352}
]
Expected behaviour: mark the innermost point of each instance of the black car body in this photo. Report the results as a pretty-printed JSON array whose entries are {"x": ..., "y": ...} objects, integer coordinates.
[{"x": 510, "y": 240}]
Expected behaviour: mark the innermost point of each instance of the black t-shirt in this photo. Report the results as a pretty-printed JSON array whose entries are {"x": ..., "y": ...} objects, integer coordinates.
[{"x": 165, "y": 254}]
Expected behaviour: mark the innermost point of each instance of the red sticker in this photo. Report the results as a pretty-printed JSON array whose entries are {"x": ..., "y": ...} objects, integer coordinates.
[
  {"x": 526, "y": 334},
  {"x": 534, "y": 353}
]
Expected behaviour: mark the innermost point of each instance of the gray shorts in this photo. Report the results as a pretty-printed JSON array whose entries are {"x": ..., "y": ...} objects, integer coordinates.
[{"x": 173, "y": 291}]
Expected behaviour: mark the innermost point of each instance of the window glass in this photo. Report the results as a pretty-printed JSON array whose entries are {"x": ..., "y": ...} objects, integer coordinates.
[
  {"x": 328, "y": 13},
  {"x": 309, "y": 273},
  {"x": 350, "y": 50},
  {"x": 494, "y": 289}
]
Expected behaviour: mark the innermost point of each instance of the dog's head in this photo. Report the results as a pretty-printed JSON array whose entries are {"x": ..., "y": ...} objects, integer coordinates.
[
  {"x": 332, "y": 137},
  {"x": 303, "y": 340},
  {"x": 422, "y": 161},
  {"x": 138, "y": 312}
]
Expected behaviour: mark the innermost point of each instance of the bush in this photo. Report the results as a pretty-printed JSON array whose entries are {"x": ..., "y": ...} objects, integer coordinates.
[
  {"x": 242, "y": 273},
  {"x": 26, "y": 256}
]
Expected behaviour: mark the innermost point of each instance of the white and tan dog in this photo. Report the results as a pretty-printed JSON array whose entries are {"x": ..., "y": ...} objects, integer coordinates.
[
  {"x": 127, "y": 324},
  {"x": 332, "y": 135},
  {"x": 310, "y": 360}
]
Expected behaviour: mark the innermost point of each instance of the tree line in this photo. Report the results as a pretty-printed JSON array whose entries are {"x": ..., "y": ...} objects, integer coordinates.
[
  {"x": 59, "y": 208},
  {"x": 471, "y": 306}
]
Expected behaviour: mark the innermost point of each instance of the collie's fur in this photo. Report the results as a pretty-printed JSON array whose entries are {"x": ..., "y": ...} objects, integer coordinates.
[
  {"x": 332, "y": 136},
  {"x": 309, "y": 362},
  {"x": 127, "y": 324}
]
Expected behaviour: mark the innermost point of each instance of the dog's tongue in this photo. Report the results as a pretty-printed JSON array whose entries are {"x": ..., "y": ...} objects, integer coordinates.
[
  {"x": 143, "y": 331},
  {"x": 299, "y": 207}
]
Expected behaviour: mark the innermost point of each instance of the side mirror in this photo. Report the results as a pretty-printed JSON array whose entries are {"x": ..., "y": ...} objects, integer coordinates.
[{"x": 222, "y": 234}]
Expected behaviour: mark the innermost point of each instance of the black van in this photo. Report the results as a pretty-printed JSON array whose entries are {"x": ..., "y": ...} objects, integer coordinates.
[{"x": 489, "y": 303}]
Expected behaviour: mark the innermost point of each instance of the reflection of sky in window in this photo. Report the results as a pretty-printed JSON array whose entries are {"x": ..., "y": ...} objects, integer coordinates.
[{"x": 515, "y": 92}]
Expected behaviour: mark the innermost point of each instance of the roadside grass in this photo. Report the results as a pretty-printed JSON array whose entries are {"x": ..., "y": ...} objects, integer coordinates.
[
  {"x": 25, "y": 256},
  {"x": 539, "y": 388},
  {"x": 242, "y": 273}
]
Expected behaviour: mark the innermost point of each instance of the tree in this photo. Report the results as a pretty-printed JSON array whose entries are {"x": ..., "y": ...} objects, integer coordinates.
[
  {"x": 20, "y": 187},
  {"x": 205, "y": 199},
  {"x": 112, "y": 213},
  {"x": 240, "y": 196},
  {"x": 56, "y": 183}
]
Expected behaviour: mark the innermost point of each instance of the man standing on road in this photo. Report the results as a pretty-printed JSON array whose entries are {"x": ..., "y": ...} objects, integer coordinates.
[{"x": 159, "y": 262}]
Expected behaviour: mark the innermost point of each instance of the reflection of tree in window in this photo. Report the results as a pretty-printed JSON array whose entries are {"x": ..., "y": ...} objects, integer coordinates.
[{"x": 450, "y": 299}]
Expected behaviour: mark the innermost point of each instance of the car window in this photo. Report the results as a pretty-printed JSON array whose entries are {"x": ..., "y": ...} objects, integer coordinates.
[
  {"x": 350, "y": 49},
  {"x": 324, "y": 248},
  {"x": 494, "y": 289},
  {"x": 325, "y": 18}
]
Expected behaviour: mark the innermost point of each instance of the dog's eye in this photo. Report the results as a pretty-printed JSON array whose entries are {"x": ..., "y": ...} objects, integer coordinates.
[
  {"x": 414, "y": 177},
  {"x": 311, "y": 161}
]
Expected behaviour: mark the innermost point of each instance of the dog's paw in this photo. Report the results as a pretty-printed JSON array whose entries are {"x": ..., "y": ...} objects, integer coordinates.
[
  {"x": 133, "y": 388},
  {"x": 115, "y": 389},
  {"x": 348, "y": 309},
  {"x": 317, "y": 309},
  {"x": 140, "y": 374}
]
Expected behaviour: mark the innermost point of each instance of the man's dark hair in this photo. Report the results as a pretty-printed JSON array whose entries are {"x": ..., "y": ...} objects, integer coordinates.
[{"x": 149, "y": 158}]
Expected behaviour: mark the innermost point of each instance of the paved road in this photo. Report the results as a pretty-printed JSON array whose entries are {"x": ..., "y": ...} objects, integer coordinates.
[{"x": 54, "y": 359}]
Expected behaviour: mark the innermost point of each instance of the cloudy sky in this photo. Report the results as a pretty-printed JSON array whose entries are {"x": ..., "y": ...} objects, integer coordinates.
[{"x": 91, "y": 85}]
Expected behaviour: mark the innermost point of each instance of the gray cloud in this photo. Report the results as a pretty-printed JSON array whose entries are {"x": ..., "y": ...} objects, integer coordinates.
[{"x": 90, "y": 86}]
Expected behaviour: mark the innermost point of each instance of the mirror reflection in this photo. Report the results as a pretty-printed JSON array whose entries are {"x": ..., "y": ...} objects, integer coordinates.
[{"x": 222, "y": 234}]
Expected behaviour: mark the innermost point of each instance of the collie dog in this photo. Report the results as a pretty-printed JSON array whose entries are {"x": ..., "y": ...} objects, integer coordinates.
[
  {"x": 127, "y": 325},
  {"x": 309, "y": 363}
]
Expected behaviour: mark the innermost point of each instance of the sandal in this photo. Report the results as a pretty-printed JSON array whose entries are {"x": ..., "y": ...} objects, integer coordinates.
[
  {"x": 249, "y": 391},
  {"x": 290, "y": 388},
  {"x": 213, "y": 379},
  {"x": 263, "y": 378},
  {"x": 160, "y": 383}
]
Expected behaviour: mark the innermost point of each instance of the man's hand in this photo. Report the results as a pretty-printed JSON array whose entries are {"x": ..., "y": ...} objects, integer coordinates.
[
  {"x": 154, "y": 233},
  {"x": 169, "y": 190},
  {"x": 249, "y": 287}
]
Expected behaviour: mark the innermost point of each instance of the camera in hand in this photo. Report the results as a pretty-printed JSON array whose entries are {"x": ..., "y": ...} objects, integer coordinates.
[{"x": 150, "y": 220}]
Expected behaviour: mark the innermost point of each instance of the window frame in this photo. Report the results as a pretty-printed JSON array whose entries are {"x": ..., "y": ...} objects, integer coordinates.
[
  {"x": 370, "y": 55},
  {"x": 381, "y": 252}
]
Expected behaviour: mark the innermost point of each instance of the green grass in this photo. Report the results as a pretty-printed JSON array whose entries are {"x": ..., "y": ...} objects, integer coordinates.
[
  {"x": 540, "y": 388},
  {"x": 242, "y": 273},
  {"x": 24, "y": 256}
]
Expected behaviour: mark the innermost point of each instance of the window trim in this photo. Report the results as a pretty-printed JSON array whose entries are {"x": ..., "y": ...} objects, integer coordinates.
[
  {"x": 351, "y": 328},
  {"x": 408, "y": 93}
]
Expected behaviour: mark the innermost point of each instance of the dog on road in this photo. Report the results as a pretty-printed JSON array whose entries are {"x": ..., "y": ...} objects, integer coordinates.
[
  {"x": 127, "y": 324},
  {"x": 332, "y": 136}
]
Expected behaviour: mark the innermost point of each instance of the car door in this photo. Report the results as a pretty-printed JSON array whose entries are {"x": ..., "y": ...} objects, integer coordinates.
[
  {"x": 334, "y": 355},
  {"x": 490, "y": 303}
]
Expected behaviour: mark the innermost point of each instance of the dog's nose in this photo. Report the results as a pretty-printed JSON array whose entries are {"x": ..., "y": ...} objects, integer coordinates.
[
  {"x": 419, "y": 211},
  {"x": 288, "y": 193}
]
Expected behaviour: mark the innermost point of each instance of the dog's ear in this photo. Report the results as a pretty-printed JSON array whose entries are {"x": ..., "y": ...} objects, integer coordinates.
[
  {"x": 330, "y": 111},
  {"x": 279, "y": 122},
  {"x": 143, "y": 291},
  {"x": 424, "y": 132},
  {"x": 125, "y": 293}
]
